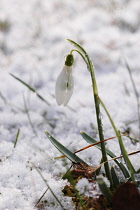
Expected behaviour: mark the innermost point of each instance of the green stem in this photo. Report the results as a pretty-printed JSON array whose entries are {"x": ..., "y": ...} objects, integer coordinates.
[
  {"x": 100, "y": 127},
  {"x": 79, "y": 54},
  {"x": 90, "y": 67}
]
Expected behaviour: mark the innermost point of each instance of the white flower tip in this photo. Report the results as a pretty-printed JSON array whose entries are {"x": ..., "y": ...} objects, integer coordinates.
[
  {"x": 59, "y": 103},
  {"x": 64, "y": 86}
]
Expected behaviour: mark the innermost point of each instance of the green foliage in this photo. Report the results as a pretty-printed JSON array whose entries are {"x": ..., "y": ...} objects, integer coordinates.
[
  {"x": 103, "y": 187},
  {"x": 71, "y": 156},
  {"x": 90, "y": 140},
  {"x": 114, "y": 177},
  {"x": 122, "y": 148}
]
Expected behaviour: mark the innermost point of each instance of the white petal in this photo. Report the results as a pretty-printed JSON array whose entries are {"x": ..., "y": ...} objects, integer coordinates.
[
  {"x": 70, "y": 89},
  {"x": 61, "y": 86}
]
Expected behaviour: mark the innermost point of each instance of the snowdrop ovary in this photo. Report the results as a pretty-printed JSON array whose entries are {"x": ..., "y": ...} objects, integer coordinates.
[{"x": 65, "y": 82}]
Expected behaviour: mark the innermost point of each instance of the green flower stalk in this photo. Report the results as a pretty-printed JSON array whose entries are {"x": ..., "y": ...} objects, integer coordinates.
[{"x": 64, "y": 89}]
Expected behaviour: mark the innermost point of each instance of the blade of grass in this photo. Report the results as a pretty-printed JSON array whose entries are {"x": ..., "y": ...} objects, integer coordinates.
[
  {"x": 90, "y": 140},
  {"x": 30, "y": 88},
  {"x": 71, "y": 156},
  {"x": 99, "y": 169},
  {"x": 91, "y": 145},
  {"x": 6, "y": 102},
  {"x": 65, "y": 175},
  {"x": 3, "y": 98},
  {"x": 97, "y": 142},
  {"x": 114, "y": 177},
  {"x": 28, "y": 115},
  {"x": 132, "y": 139},
  {"x": 128, "y": 178},
  {"x": 17, "y": 135},
  {"x": 41, "y": 197},
  {"x": 49, "y": 187},
  {"x": 104, "y": 189},
  {"x": 121, "y": 156},
  {"x": 123, "y": 151},
  {"x": 135, "y": 91}
]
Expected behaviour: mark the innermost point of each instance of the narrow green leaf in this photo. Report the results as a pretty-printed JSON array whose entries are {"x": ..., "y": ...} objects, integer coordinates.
[
  {"x": 28, "y": 116},
  {"x": 78, "y": 46},
  {"x": 135, "y": 91},
  {"x": 17, "y": 135},
  {"x": 132, "y": 139},
  {"x": 90, "y": 140},
  {"x": 114, "y": 178},
  {"x": 30, "y": 88},
  {"x": 123, "y": 151},
  {"x": 71, "y": 156},
  {"x": 7, "y": 102},
  {"x": 104, "y": 189},
  {"x": 41, "y": 197},
  {"x": 125, "y": 155},
  {"x": 48, "y": 186}
]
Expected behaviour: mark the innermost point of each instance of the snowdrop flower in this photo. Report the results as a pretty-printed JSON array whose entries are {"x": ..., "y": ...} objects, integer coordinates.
[{"x": 65, "y": 82}]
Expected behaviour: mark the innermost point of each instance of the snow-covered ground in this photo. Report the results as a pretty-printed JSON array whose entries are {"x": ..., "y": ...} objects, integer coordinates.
[{"x": 32, "y": 47}]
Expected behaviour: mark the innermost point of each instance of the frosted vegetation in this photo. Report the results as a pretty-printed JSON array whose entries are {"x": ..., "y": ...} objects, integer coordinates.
[{"x": 35, "y": 131}]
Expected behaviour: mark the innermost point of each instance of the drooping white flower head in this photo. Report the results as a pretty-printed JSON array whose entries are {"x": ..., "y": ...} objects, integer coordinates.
[{"x": 65, "y": 82}]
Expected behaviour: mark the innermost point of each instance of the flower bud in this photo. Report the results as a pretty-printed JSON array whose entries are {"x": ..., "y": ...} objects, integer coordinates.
[{"x": 69, "y": 60}]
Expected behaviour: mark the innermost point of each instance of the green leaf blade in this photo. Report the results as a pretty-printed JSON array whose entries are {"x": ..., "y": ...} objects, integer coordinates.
[
  {"x": 30, "y": 88},
  {"x": 114, "y": 177},
  {"x": 78, "y": 46},
  {"x": 122, "y": 148},
  {"x": 104, "y": 189},
  {"x": 90, "y": 140},
  {"x": 71, "y": 156}
]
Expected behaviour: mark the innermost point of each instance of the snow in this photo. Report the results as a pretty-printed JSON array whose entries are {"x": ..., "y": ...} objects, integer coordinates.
[
  {"x": 32, "y": 47},
  {"x": 88, "y": 189}
]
